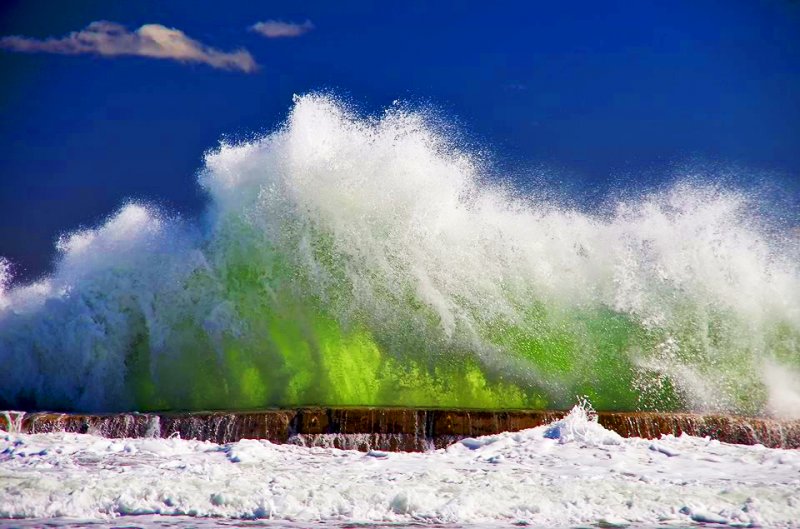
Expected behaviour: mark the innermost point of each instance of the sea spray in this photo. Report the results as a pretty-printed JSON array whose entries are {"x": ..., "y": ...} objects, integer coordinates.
[
  {"x": 346, "y": 260},
  {"x": 570, "y": 473}
]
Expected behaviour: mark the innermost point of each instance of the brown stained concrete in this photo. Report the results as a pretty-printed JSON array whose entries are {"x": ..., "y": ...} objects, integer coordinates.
[{"x": 394, "y": 429}]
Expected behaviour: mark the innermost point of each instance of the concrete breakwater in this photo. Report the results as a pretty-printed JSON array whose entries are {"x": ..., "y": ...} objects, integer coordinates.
[{"x": 392, "y": 429}]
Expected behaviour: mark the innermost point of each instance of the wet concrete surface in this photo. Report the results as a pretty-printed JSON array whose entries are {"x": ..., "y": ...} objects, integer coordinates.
[{"x": 392, "y": 429}]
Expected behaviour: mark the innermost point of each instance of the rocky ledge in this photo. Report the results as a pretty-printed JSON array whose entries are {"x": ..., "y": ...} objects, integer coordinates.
[{"x": 394, "y": 429}]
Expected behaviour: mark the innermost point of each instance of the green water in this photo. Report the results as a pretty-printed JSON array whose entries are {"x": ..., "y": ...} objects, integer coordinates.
[{"x": 346, "y": 260}]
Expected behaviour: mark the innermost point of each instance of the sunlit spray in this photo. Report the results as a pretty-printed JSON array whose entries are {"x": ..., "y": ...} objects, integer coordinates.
[{"x": 346, "y": 260}]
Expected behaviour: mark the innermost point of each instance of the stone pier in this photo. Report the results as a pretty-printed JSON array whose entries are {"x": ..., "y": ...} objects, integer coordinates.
[{"x": 393, "y": 429}]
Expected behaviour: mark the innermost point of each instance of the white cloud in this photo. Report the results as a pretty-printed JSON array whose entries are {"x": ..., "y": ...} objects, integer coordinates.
[
  {"x": 110, "y": 39},
  {"x": 273, "y": 29}
]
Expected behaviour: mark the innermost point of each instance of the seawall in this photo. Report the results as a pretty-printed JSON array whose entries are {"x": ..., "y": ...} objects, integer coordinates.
[{"x": 393, "y": 429}]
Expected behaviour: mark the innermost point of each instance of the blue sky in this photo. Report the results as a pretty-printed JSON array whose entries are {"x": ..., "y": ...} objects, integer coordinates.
[{"x": 597, "y": 95}]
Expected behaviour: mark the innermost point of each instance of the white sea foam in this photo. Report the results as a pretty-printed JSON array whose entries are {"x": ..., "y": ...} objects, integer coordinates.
[
  {"x": 568, "y": 473},
  {"x": 384, "y": 226}
]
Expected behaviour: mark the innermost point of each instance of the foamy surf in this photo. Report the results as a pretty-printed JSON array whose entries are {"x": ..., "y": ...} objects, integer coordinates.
[
  {"x": 351, "y": 260},
  {"x": 572, "y": 472}
]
